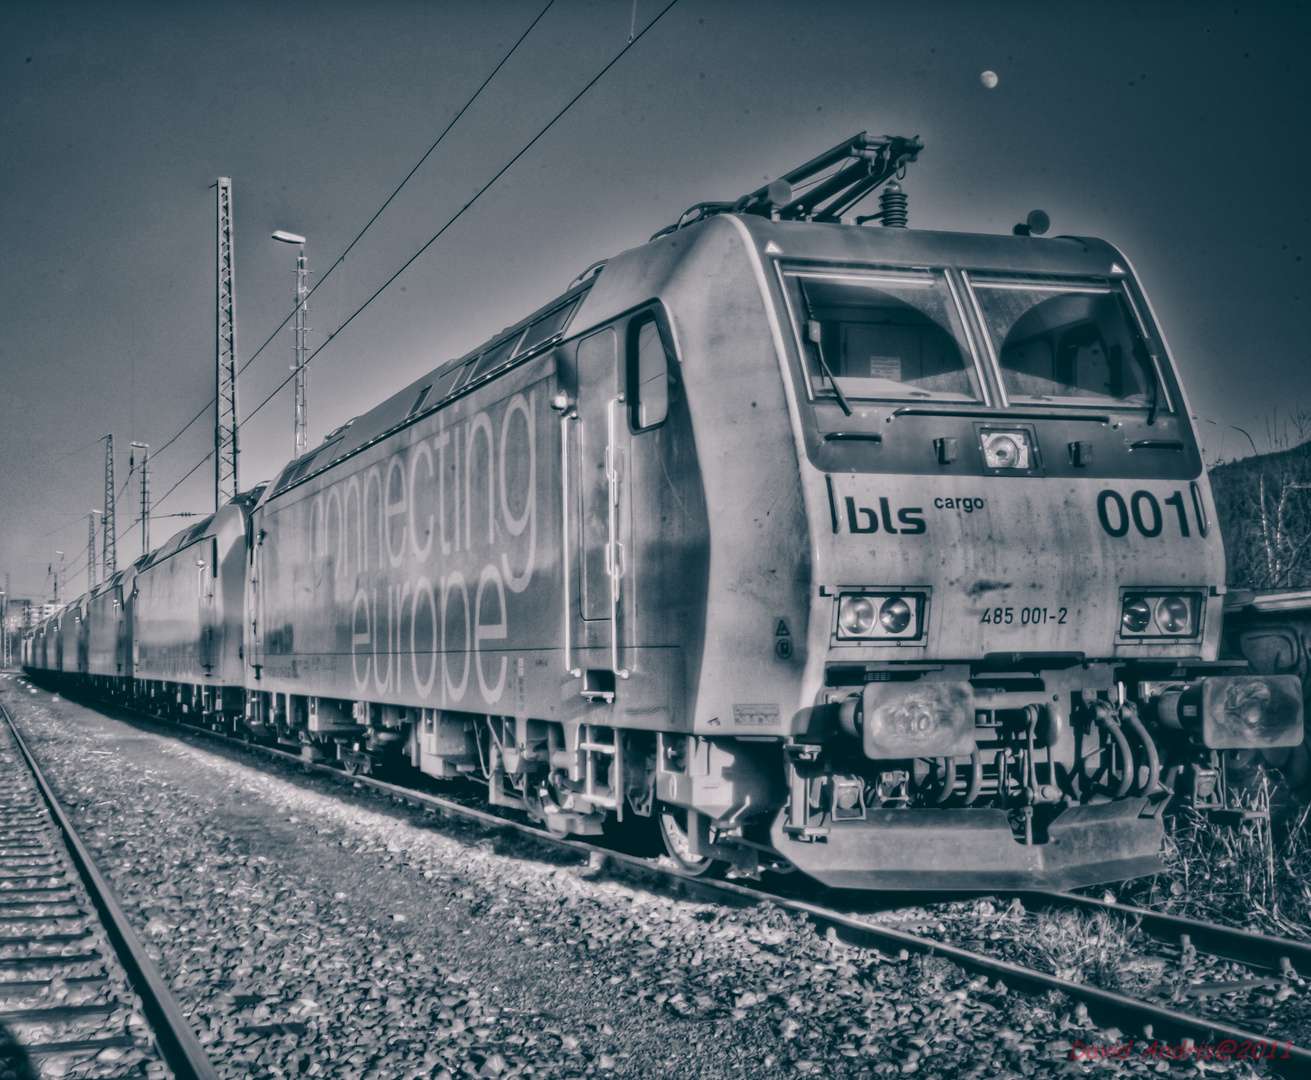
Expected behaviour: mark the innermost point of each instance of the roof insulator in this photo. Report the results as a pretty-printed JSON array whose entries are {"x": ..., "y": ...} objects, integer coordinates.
[{"x": 892, "y": 206}]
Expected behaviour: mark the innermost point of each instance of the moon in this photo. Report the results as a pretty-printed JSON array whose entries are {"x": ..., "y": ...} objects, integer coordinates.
[{"x": 989, "y": 79}]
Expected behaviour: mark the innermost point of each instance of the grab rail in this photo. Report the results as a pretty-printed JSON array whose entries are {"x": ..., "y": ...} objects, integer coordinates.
[
  {"x": 564, "y": 541},
  {"x": 613, "y": 549}
]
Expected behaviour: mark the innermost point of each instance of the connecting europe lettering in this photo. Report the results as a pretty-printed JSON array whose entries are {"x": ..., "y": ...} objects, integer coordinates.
[{"x": 419, "y": 553}]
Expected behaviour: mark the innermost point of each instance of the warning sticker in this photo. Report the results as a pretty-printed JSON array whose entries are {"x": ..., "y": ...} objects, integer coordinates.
[
  {"x": 755, "y": 715},
  {"x": 782, "y": 629}
]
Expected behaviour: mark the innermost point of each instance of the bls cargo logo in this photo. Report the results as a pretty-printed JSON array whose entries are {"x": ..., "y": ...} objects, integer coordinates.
[{"x": 863, "y": 519}]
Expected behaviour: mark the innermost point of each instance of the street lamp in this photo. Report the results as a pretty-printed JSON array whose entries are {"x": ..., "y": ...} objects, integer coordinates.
[{"x": 302, "y": 311}]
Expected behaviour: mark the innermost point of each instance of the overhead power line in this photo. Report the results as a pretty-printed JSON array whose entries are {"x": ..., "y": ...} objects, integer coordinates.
[
  {"x": 174, "y": 488},
  {"x": 342, "y": 257},
  {"x": 449, "y": 222},
  {"x": 456, "y": 216},
  {"x": 80, "y": 450},
  {"x": 60, "y": 528}
]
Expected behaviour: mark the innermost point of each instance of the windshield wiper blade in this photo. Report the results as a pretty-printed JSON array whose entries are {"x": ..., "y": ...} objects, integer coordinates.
[
  {"x": 819, "y": 351},
  {"x": 833, "y": 382}
]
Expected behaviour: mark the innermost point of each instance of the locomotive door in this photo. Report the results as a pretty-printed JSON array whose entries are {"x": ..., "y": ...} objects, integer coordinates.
[
  {"x": 603, "y": 521},
  {"x": 122, "y": 644},
  {"x": 255, "y": 603},
  {"x": 210, "y": 627}
]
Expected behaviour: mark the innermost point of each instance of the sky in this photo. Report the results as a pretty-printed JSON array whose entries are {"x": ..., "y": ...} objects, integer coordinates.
[{"x": 1180, "y": 132}]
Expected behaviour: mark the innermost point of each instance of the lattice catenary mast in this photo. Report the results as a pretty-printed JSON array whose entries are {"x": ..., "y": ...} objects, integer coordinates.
[
  {"x": 111, "y": 547},
  {"x": 91, "y": 550},
  {"x": 225, "y": 355}
]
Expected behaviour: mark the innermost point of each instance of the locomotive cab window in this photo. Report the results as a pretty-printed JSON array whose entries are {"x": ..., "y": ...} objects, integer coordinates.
[
  {"x": 648, "y": 374},
  {"x": 886, "y": 336},
  {"x": 1065, "y": 344}
]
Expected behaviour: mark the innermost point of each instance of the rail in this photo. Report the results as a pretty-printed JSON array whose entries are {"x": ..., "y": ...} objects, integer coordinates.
[
  {"x": 176, "y": 1041},
  {"x": 1284, "y": 955},
  {"x": 1119, "y": 1008},
  {"x": 1156, "y": 1021}
]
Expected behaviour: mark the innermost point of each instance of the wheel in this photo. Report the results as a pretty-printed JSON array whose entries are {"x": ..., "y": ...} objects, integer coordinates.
[{"x": 673, "y": 831}]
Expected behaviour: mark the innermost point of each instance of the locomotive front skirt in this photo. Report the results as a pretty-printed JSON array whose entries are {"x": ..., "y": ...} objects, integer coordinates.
[{"x": 886, "y": 554}]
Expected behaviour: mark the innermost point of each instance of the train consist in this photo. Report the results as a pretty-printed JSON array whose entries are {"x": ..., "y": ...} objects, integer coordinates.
[{"x": 883, "y": 554}]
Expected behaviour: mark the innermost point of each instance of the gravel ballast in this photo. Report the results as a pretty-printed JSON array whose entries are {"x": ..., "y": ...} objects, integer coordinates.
[{"x": 309, "y": 930}]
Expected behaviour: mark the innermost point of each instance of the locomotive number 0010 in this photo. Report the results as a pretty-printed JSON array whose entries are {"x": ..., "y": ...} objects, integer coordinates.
[{"x": 1145, "y": 513}]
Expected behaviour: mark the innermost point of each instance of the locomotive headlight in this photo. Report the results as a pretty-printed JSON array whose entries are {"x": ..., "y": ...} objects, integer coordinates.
[
  {"x": 876, "y": 617},
  {"x": 1160, "y": 613},
  {"x": 1006, "y": 450},
  {"x": 1174, "y": 615},
  {"x": 895, "y": 615},
  {"x": 1137, "y": 615},
  {"x": 855, "y": 616}
]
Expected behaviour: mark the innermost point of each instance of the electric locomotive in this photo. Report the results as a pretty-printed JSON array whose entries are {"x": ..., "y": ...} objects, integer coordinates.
[{"x": 881, "y": 553}]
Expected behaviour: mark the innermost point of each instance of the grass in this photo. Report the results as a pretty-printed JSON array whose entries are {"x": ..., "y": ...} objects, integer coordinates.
[
  {"x": 1256, "y": 874},
  {"x": 1086, "y": 948}
]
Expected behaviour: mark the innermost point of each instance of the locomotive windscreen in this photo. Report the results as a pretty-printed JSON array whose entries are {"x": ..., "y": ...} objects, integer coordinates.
[
  {"x": 1065, "y": 342},
  {"x": 885, "y": 336}
]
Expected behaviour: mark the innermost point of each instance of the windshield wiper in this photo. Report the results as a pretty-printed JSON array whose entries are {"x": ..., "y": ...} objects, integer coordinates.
[
  {"x": 1156, "y": 393},
  {"x": 813, "y": 334}
]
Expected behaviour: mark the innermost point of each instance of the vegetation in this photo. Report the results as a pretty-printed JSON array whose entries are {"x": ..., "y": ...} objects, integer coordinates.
[
  {"x": 1255, "y": 874},
  {"x": 1264, "y": 506}
]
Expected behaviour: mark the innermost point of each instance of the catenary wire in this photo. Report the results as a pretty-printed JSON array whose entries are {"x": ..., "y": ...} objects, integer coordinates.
[
  {"x": 117, "y": 497},
  {"x": 430, "y": 242},
  {"x": 342, "y": 257},
  {"x": 174, "y": 488},
  {"x": 456, "y": 216},
  {"x": 204, "y": 409},
  {"x": 67, "y": 525},
  {"x": 137, "y": 521},
  {"x": 71, "y": 453}
]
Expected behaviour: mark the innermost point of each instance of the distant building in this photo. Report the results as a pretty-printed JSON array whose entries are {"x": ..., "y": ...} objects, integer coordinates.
[{"x": 25, "y": 614}]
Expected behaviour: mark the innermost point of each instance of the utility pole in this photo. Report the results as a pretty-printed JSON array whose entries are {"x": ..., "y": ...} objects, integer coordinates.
[
  {"x": 111, "y": 546},
  {"x": 91, "y": 550},
  {"x": 58, "y": 574},
  {"x": 301, "y": 418},
  {"x": 145, "y": 493},
  {"x": 6, "y": 656},
  {"x": 225, "y": 355}
]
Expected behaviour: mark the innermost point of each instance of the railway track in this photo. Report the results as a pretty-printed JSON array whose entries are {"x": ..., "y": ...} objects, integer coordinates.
[
  {"x": 78, "y": 993},
  {"x": 1284, "y": 956},
  {"x": 1139, "y": 1018}
]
